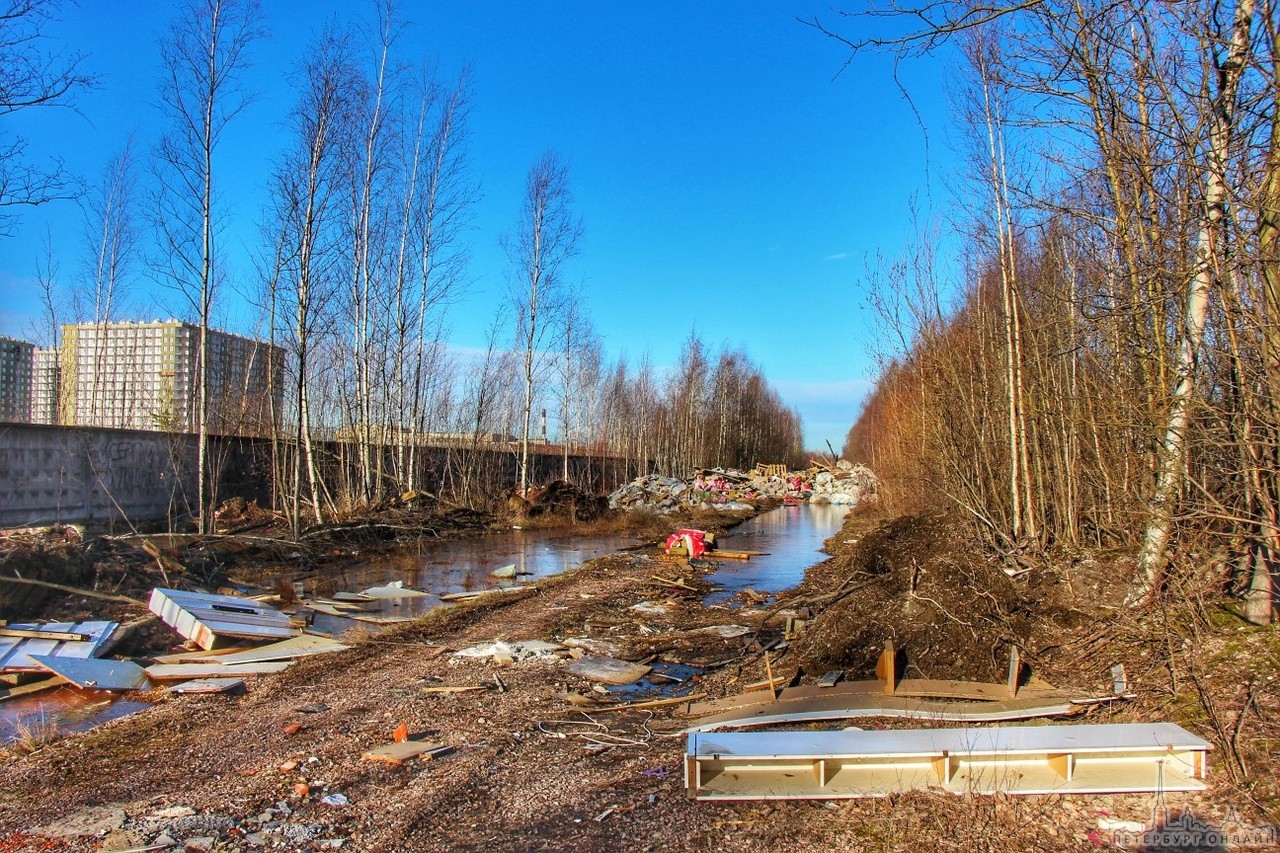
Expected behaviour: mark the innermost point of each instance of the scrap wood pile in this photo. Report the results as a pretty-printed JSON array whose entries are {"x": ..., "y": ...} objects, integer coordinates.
[
  {"x": 728, "y": 490},
  {"x": 254, "y": 639}
]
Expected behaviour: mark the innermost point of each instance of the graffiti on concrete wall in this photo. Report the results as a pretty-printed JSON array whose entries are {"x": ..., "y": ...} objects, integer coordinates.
[{"x": 54, "y": 475}]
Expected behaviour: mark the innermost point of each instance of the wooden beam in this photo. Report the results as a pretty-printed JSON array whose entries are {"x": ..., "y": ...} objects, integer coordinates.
[
  {"x": 885, "y": 667},
  {"x": 38, "y": 634}
]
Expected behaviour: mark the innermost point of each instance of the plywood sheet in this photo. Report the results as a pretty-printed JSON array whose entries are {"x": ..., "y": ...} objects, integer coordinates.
[
  {"x": 208, "y": 685},
  {"x": 173, "y": 671},
  {"x": 294, "y": 647},
  {"x": 95, "y": 674}
]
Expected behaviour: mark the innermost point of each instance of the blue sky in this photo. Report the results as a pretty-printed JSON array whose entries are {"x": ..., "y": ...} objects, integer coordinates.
[{"x": 728, "y": 180}]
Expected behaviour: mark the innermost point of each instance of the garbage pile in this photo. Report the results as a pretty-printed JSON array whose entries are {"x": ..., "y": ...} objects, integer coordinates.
[{"x": 728, "y": 490}]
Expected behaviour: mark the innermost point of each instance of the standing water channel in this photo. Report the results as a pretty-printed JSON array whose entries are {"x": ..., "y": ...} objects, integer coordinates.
[{"x": 792, "y": 535}]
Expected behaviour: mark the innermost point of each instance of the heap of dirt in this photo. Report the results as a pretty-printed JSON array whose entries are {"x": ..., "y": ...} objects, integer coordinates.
[
  {"x": 558, "y": 500},
  {"x": 28, "y": 565},
  {"x": 946, "y": 608}
]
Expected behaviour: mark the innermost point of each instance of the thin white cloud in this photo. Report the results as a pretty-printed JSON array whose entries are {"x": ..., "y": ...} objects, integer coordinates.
[{"x": 838, "y": 256}]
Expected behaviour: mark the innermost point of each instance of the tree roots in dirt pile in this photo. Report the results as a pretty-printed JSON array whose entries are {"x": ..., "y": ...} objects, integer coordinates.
[
  {"x": 61, "y": 563},
  {"x": 912, "y": 580},
  {"x": 560, "y": 500}
]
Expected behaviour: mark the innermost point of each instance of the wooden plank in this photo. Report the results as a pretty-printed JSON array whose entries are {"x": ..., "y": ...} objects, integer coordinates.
[
  {"x": 643, "y": 706},
  {"x": 608, "y": 670},
  {"x": 476, "y": 593},
  {"x": 38, "y": 634},
  {"x": 916, "y": 688},
  {"x": 201, "y": 656},
  {"x": 208, "y": 685},
  {"x": 95, "y": 674},
  {"x": 175, "y": 671},
  {"x": 406, "y": 750},
  {"x": 294, "y": 647},
  {"x": 885, "y": 667},
  {"x": 736, "y": 555},
  {"x": 678, "y": 584},
  {"x": 32, "y": 687},
  {"x": 843, "y": 707}
]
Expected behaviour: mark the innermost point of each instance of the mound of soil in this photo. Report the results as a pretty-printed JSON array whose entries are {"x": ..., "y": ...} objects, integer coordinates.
[
  {"x": 909, "y": 580},
  {"x": 561, "y": 500}
]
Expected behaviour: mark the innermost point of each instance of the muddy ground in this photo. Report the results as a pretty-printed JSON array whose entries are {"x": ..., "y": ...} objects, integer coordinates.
[{"x": 532, "y": 770}]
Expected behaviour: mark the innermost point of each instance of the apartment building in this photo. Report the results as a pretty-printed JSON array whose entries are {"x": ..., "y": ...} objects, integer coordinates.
[
  {"x": 46, "y": 382},
  {"x": 146, "y": 376},
  {"x": 15, "y": 380}
]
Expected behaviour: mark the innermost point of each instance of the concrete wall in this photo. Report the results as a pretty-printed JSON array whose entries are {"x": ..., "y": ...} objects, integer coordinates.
[
  {"x": 67, "y": 475},
  {"x": 51, "y": 474}
]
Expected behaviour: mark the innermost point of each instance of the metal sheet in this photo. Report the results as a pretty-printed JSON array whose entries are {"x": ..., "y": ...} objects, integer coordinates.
[
  {"x": 96, "y": 674},
  {"x": 15, "y": 652},
  {"x": 208, "y": 685}
]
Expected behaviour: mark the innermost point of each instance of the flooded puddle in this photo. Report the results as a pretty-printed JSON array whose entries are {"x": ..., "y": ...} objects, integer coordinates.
[
  {"x": 59, "y": 712},
  {"x": 792, "y": 536},
  {"x": 461, "y": 565}
]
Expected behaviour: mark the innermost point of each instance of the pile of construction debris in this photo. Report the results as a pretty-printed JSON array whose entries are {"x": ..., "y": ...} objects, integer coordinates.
[{"x": 729, "y": 490}]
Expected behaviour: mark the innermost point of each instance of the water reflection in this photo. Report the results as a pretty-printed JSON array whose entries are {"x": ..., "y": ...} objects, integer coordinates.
[
  {"x": 793, "y": 536},
  {"x": 460, "y": 565},
  {"x": 59, "y": 712}
]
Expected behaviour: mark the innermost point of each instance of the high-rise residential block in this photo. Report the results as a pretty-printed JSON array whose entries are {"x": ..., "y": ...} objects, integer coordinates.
[
  {"x": 46, "y": 385},
  {"x": 146, "y": 376},
  {"x": 15, "y": 379}
]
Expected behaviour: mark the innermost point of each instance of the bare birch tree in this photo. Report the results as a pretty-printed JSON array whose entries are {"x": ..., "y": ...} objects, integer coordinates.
[
  {"x": 307, "y": 184},
  {"x": 203, "y": 57},
  {"x": 545, "y": 238}
]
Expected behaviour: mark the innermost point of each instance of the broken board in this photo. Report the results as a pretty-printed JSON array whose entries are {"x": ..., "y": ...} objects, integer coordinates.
[
  {"x": 849, "y": 706},
  {"x": 175, "y": 671},
  {"x": 406, "y": 750},
  {"x": 36, "y": 686},
  {"x": 95, "y": 674},
  {"x": 204, "y": 619},
  {"x": 1085, "y": 759},
  {"x": 608, "y": 670},
  {"x": 208, "y": 685},
  {"x": 476, "y": 593},
  {"x": 294, "y": 647}
]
